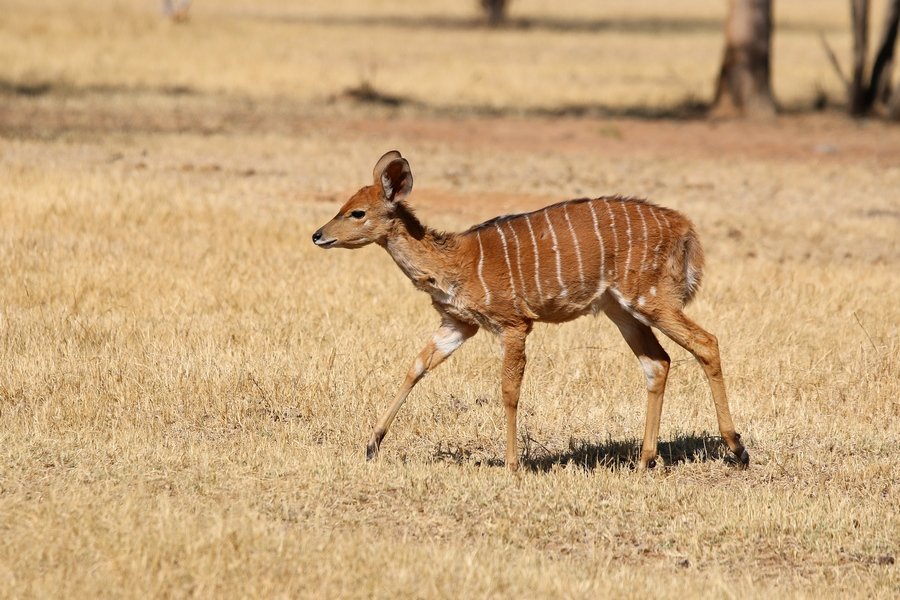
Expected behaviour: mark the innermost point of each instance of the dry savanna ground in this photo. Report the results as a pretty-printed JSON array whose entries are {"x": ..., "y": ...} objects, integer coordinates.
[{"x": 187, "y": 383}]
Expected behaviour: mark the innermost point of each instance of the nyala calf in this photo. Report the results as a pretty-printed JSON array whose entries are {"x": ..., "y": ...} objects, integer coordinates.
[{"x": 638, "y": 263}]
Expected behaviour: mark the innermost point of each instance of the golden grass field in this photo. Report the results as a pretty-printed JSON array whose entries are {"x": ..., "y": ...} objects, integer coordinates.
[{"x": 187, "y": 384}]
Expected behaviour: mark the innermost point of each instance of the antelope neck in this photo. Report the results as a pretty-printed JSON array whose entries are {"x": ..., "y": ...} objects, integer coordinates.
[{"x": 419, "y": 251}]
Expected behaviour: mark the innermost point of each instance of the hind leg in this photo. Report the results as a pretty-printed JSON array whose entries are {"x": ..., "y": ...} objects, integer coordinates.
[
  {"x": 705, "y": 348},
  {"x": 655, "y": 363}
]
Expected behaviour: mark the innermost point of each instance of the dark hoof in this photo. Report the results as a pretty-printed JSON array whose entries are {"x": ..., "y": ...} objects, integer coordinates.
[
  {"x": 740, "y": 459},
  {"x": 647, "y": 461},
  {"x": 371, "y": 450},
  {"x": 374, "y": 444}
]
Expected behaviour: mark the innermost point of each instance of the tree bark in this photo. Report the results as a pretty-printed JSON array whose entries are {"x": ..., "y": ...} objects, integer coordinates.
[{"x": 744, "y": 84}]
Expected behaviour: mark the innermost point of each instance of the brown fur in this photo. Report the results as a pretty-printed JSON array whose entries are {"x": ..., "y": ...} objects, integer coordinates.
[{"x": 637, "y": 262}]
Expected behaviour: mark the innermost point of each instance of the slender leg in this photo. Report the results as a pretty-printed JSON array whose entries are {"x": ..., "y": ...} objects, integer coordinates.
[
  {"x": 513, "y": 370},
  {"x": 655, "y": 362},
  {"x": 449, "y": 336},
  {"x": 705, "y": 348}
]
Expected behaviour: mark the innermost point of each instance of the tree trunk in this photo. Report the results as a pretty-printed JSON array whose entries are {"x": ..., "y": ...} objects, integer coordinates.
[
  {"x": 859, "y": 14},
  {"x": 893, "y": 107},
  {"x": 879, "y": 91},
  {"x": 496, "y": 11},
  {"x": 744, "y": 84},
  {"x": 864, "y": 94}
]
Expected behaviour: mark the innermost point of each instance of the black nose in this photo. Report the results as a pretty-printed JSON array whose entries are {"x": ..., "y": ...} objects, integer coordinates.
[{"x": 317, "y": 236}]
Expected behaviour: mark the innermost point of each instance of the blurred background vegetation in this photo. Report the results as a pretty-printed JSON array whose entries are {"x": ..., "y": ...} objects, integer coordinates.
[{"x": 694, "y": 57}]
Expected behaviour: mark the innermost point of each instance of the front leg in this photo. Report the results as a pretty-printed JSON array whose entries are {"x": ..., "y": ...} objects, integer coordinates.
[
  {"x": 449, "y": 336},
  {"x": 513, "y": 339}
]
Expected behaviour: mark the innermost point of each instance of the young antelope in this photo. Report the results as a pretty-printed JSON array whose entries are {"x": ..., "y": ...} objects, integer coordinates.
[{"x": 638, "y": 263}]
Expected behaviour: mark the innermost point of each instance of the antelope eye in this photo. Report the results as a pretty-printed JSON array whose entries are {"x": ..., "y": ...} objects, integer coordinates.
[{"x": 358, "y": 214}]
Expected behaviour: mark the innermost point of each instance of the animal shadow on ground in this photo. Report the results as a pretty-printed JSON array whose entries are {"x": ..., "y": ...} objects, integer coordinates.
[
  {"x": 611, "y": 454},
  {"x": 619, "y": 454}
]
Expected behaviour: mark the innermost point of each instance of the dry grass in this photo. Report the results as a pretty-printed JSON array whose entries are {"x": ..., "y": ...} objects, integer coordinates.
[{"x": 187, "y": 384}]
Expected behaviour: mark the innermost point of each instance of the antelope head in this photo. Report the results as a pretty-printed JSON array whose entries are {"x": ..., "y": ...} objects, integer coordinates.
[{"x": 368, "y": 215}]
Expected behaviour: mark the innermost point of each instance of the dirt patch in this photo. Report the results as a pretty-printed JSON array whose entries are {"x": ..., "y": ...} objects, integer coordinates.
[
  {"x": 827, "y": 137},
  {"x": 819, "y": 137}
]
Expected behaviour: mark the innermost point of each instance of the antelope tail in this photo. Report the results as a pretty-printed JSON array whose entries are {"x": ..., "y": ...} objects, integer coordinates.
[{"x": 692, "y": 265}]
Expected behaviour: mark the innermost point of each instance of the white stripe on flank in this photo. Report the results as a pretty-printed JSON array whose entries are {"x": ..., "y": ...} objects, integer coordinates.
[
  {"x": 600, "y": 283},
  {"x": 577, "y": 245},
  {"x": 515, "y": 237},
  {"x": 640, "y": 209},
  {"x": 537, "y": 261},
  {"x": 628, "y": 231},
  {"x": 666, "y": 219},
  {"x": 659, "y": 241},
  {"x": 612, "y": 228},
  {"x": 512, "y": 283},
  {"x": 562, "y": 285},
  {"x": 487, "y": 292}
]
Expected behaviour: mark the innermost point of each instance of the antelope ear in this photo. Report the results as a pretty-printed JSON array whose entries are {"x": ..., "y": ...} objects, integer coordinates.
[
  {"x": 382, "y": 163},
  {"x": 396, "y": 180}
]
